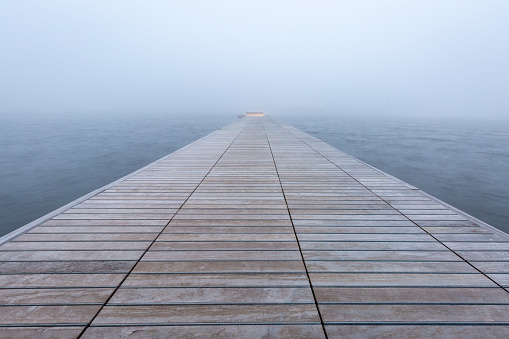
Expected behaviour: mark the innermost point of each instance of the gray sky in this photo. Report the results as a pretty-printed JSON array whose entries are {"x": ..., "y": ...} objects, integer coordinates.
[{"x": 445, "y": 57}]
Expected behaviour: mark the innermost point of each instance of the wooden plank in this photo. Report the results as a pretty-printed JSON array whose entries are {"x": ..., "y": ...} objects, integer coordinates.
[
  {"x": 34, "y": 296},
  {"x": 96, "y": 229},
  {"x": 69, "y": 255},
  {"x": 221, "y": 255},
  {"x": 226, "y": 229},
  {"x": 377, "y": 313},
  {"x": 218, "y": 266},
  {"x": 456, "y": 229},
  {"x": 297, "y": 331},
  {"x": 398, "y": 279},
  {"x": 349, "y": 222},
  {"x": 484, "y": 255},
  {"x": 133, "y": 209},
  {"x": 381, "y": 295},
  {"x": 216, "y": 279},
  {"x": 50, "y": 315},
  {"x": 476, "y": 237},
  {"x": 288, "y": 235},
  {"x": 224, "y": 245},
  {"x": 359, "y": 229},
  {"x": 49, "y": 267},
  {"x": 200, "y": 295},
  {"x": 205, "y": 314},
  {"x": 492, "y": 266},
  {"x": 500, "y": 278},
  {"x": 74, "y": 245},
  {"x": 458, "y": 266},
  {"x": 41, "y": 332},
  {"x": 478, "y": 246},
  {"x": 103, "y": 222},
  {"x": 381, "y": 255},
  {"x": 363, "y": 237},
  {"x": 85, "y": 237},
  {"x": 410, "y": 331},
  {"x": 59, "y": 280},
  {"x": 366, "y": 245},
  {"x": 229, "y": 222}
]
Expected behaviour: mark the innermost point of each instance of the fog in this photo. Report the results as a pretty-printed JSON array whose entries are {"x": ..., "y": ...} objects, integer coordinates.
[{"x": 401, "y": 58}]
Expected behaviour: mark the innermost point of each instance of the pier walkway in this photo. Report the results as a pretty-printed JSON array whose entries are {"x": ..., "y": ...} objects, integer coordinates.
[{"x": 256, "y": 230}]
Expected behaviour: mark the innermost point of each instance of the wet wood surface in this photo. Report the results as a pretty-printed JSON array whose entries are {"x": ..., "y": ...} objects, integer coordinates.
[{"x": 256, "y": 231}]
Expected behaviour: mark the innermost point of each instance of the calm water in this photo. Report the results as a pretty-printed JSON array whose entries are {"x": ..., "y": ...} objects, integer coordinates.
[
  {"x": 46, "y": 163},
  {"x": 464, "y": 163}
]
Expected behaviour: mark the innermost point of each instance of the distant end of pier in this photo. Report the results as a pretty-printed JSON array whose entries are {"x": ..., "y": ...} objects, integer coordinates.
[{"x": 251, "y": 114}]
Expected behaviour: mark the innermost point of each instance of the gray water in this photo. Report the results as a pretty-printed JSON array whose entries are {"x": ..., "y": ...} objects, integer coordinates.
[
  {"x": 462, "y": 162},
  {"x": 46, "y": 163}
]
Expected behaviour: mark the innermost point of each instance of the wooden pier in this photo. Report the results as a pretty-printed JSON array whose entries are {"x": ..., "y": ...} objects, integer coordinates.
[{"x": 256, "y": 230}]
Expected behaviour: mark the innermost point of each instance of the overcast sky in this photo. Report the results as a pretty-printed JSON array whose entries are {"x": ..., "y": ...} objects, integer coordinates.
[{"x": 444, "y": 57}]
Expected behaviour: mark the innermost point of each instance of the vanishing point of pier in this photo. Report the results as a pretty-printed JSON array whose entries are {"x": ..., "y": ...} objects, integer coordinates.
[{"x": 257, "y": 230}]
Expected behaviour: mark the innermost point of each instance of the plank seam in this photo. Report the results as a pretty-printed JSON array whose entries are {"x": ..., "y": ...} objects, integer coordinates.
[
  {"x": 161, "y": 232},
  {"x": 295, "y": 233},
  {"x": 421, "y": 227}
]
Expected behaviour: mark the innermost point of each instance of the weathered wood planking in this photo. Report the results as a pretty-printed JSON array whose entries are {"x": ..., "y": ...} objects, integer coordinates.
[{"x": 257, "y": 230}]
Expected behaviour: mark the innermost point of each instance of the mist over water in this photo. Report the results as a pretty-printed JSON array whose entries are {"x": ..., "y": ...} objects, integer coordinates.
[{"x": 392, "y": 57}]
